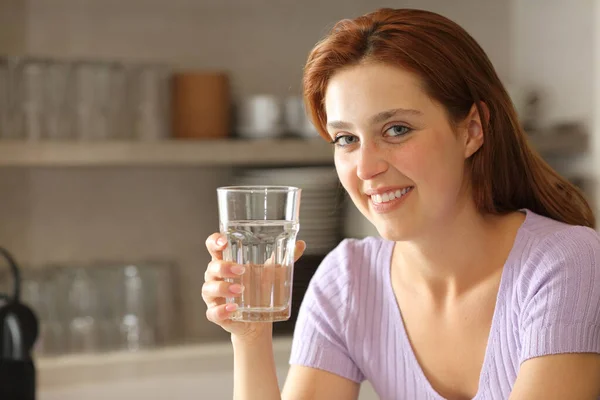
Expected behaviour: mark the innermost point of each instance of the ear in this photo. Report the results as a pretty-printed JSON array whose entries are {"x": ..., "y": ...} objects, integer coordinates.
[{"x": 474, "y": 128}]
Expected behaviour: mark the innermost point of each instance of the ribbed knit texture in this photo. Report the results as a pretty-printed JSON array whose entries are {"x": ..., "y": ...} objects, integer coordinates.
[{"x": 548, "y": 303}]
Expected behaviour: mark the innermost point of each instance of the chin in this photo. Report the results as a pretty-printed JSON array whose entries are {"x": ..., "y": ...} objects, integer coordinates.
[{"x": 393, "y": 233}]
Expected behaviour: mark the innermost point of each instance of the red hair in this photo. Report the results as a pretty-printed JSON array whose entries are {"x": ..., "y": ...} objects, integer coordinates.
[{"x": 506, "y": 173}]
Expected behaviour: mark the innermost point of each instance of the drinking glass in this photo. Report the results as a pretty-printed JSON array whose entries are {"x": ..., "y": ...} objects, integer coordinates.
[
  {"x": 83, "y": 309},
  {"x": 150, "y": 102},
  {"x": 261, "y": 224},
  {"x": 32, "y": 96},
  {"x": 58, "y": 101}
]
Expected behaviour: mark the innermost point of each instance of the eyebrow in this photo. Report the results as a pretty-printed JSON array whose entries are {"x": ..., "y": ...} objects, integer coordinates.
[{"x": 377, "y": 118}]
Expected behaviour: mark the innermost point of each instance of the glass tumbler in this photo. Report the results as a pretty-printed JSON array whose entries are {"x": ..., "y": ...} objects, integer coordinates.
[{"x": 261, "y": 224}]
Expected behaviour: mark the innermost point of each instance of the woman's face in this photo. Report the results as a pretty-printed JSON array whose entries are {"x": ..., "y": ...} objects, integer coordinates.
[{"x": 396, "y": 152}]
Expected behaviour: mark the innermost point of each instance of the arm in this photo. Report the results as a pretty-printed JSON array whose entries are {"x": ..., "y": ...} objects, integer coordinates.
[
  {"x": 305, "y": 383},
  {"x": 255, "y": 376},
  {"x": 557, "y": 377},
  {"x": 254, "y": 373}
]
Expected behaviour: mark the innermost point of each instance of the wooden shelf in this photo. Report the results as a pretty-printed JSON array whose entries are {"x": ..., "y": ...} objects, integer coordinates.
[
  {"x": 166, "y": 153},
  {"x": 560, "y": 144}
]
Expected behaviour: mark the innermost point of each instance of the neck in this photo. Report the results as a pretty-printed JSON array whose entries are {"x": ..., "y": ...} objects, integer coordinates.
[{"x": 457, "y": 253}]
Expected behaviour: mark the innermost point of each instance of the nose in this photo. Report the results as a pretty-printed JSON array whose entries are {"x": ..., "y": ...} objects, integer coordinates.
[{"x": 370, "y": 162}]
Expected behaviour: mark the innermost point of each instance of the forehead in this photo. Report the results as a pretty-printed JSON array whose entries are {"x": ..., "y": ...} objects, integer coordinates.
[{"x": 360, "y": 91}]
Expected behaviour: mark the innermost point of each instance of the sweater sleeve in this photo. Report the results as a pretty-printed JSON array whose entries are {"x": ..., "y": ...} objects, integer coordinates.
[
  {"x": 320, "y": 332},
  {"x": 561, "y": 302}
]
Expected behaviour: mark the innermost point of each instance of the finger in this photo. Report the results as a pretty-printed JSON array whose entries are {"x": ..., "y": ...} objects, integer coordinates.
[
  {"x": 298, "y": 251},
  {"x": 221, "y": 313},
  {"x": 216, "y": 301},
  {"x": 218, "y": 269},
  {"x": 215, "y": 244},
  {"x": 300, "y": 247},
  {"x": 214, "y": 289}
]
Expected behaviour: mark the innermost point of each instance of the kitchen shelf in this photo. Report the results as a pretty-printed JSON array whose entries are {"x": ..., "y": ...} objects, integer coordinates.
[
  {"x": 566, "y": 143},
  {"x": 232, "y": 152}
]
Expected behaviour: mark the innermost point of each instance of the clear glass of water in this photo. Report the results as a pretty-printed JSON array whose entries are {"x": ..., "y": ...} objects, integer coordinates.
[{"x": 261, "y": 224}]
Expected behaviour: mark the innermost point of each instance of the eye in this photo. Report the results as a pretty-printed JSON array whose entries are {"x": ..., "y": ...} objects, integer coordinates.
[
  {"x": 344, "y": 140},
  {"x": 397, "y": 130}
]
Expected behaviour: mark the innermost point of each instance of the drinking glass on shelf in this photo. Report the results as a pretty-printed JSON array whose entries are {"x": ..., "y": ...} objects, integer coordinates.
[
  {"x": 107, "y": 279},
  {"x": 92, "y": 100},
  {"x": 120, "y": 107},
  {"x": 14, "y": 117},
  {"x": 261, "y": 224},
  {"x": 83, "y": 104},
  {"x": 149, "y": 97},
  {"x": 55, "y": 312},
  {"x": 59, "y": 86},
  {"x": 41, "y": 289},
  {"x": 82, "y": 303},
  {"x": 33, "y": 77},
  {"x": 135, "y": 330}
]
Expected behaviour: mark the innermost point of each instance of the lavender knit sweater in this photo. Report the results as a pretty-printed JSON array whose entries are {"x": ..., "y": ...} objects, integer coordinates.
[{"x": 548, "y": 303}]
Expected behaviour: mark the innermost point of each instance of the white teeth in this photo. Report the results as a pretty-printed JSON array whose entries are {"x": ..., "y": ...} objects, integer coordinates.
[{"x": 378, "y": 198}]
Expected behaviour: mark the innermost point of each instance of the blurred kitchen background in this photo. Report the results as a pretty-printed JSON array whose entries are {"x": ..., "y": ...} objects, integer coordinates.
[{"x": 119, "y": 119}]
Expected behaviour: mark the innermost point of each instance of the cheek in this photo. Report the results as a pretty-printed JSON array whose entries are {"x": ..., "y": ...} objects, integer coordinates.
[
  {"x": 410, "y": 159},
  {"x": 433, "y": 165},
  {"x": 346, "y": 170},
  {"x": 346, "y": 173},
  {"x": 340, "y": 166}
]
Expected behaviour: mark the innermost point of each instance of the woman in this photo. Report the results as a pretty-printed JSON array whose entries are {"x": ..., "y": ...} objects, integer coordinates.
[{"x": 486, "y": 281}]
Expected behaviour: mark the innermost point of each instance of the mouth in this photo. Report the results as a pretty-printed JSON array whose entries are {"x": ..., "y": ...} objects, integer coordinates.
[
  {"x": 391, "y": 195},
  {"x": 384, "y": 202}
]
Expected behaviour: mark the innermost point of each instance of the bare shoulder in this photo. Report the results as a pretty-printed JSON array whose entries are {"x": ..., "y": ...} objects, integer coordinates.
[{"x": 305, "y": 383}]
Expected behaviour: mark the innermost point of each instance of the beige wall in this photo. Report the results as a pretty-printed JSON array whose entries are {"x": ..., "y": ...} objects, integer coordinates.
[
  {"x": 263, "y": 43},
  {"x": 13, "y": 26},
  {"x": 65, "y": 215}
]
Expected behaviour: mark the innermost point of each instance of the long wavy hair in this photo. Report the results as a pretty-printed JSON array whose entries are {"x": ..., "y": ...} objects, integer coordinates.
[{"x": 507, "y": 174}]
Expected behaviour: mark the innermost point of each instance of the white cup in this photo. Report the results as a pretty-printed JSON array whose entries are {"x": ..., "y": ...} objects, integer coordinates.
[{"x": 260, "y": 116}]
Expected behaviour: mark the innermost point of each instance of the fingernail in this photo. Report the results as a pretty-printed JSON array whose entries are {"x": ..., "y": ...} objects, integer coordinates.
[
  {"x": 221, "y": 241},
  {"x": 231, "y": 307},
  {"x": 238, "y": 270},
  {"x": 236, "y": 288}
]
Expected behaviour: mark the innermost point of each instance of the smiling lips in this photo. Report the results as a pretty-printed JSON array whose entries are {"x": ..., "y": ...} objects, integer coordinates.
[{"x": 391, "y": 195}]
